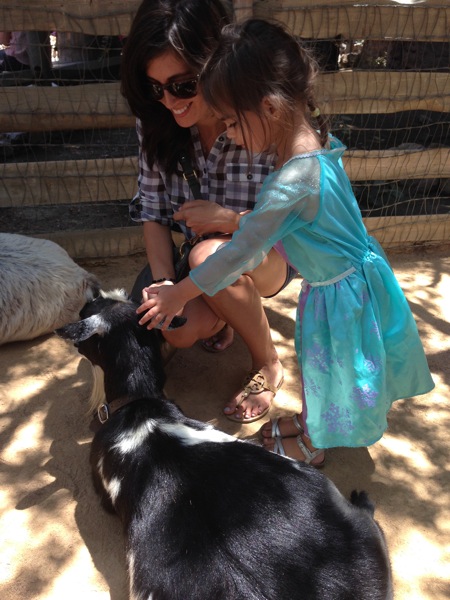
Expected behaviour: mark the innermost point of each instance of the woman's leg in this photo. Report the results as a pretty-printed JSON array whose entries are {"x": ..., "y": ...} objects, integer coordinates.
[
  {"x": 202, "y": 322},
  {"x": 240, "y": 306},
  {"x": 220, "y": 341}
]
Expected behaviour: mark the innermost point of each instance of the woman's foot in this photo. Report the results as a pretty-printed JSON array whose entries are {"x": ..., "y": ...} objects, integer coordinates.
[
  {"x": 254, "y": 399},
  {"x": 284, "y": 427},
  {"x": 299, "y": 448},
  {"x": 219, "y": 342}
]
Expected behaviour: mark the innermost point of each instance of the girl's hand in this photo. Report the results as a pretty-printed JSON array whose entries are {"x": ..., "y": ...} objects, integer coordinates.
[{"x": 162, "y": 303}]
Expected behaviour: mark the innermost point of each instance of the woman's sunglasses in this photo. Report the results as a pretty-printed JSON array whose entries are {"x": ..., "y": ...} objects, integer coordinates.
[{"x": 180, "y": 89}]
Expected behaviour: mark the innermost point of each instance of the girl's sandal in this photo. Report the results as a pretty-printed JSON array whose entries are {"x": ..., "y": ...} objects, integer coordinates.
[
  {"x": 255, "y": 383},
  {"x": 276, "y": 433},
  {"x": 278, "y": 448}
]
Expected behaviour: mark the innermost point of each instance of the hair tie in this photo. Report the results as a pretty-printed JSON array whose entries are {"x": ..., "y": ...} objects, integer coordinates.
[{"x": 315, "y": 113}]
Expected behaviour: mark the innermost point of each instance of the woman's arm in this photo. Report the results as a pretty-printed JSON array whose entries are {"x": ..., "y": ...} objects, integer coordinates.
[{"x": 159, "y": 247}]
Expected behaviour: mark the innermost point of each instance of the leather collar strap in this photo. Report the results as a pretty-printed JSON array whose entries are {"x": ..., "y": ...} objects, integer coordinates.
[{"x": 107, "y": 409}]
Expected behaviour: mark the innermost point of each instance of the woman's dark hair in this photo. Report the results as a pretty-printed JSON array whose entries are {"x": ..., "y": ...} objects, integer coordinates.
[
  {"x": 259, "y": 59},
  {"x": 189, "y": 27}
]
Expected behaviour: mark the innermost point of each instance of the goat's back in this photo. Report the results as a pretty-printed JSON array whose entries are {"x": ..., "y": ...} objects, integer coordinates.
[{"x": 219, "y": 518}]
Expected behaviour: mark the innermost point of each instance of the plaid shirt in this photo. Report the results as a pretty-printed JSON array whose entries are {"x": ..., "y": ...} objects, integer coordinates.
[{"x": 225, "y": 177}]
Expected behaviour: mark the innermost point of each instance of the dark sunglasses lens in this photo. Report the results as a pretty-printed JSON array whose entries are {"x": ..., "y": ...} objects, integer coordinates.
[
  {"x": 186, "y": 89},
  {"x": 156, "y": 91}
]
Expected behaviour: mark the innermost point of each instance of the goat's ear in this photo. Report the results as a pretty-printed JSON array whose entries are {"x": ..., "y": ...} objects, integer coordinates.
[{"x": 82, "y": 330}]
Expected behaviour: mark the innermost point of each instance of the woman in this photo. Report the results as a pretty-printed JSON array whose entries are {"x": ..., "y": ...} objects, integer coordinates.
[{"x": 169, "y": 43}]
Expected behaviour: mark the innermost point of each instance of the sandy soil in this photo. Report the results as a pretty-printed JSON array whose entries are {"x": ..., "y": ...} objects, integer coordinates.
[{"x": 56, "y": 542}]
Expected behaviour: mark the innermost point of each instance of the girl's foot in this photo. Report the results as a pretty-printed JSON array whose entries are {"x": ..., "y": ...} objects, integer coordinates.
[
  {"x": 254, "y": 399},
  {"x": 219, "y": 342},
  {"x": 282, "y": 428},
  {"x": 298, "y": 448}
]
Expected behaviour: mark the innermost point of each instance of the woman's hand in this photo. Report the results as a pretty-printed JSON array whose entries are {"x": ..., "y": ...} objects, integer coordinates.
[
  {"x": 207, "y": 217},
  {"x": 162, "y": 302}
]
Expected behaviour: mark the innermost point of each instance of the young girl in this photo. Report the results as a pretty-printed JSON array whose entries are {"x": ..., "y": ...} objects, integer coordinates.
[{"x": 356, "y": 339}]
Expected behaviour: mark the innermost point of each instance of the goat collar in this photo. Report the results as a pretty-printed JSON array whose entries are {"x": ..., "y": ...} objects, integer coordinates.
[{"x": 107, "y": 409}]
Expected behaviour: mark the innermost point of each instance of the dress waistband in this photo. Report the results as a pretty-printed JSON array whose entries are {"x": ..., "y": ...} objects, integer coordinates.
[{"x": 328, "y": 281}]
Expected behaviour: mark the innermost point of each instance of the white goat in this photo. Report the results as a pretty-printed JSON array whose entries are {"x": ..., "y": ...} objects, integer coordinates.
[{"x": 41, "y": 287}]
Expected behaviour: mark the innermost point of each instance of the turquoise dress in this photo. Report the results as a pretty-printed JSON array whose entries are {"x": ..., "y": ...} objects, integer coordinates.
[{"x": 356, "y": 339}]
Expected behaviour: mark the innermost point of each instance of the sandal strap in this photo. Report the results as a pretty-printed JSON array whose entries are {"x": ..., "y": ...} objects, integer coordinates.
[
  {"x": 298, "y": 424},
  {"x": 278, "y": 447},
  {"x": 276, "y": 433},
  {"x": 309, "y": 456},
  {"x": 256, "y": 383}
]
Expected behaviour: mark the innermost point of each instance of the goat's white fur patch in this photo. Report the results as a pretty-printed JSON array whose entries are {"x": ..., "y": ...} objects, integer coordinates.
[
  {"x": 118, "y": 294},
  {"x": 98, "y": 325},
  {"x": 133, "y": 594},
  {"x": 129, "y": 441},
  {"x": 112, "y": 486},
  {"x": 190, "y": 436}
]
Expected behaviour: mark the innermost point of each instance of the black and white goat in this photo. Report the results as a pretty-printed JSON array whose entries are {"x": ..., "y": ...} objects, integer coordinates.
[{"x": 206, "y": 516}]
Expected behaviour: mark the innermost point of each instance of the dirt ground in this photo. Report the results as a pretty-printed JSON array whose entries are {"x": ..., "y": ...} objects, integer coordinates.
[{"x": 55, "y": 540}]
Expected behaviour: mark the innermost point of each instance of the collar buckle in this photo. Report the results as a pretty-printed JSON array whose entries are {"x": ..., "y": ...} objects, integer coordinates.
[{"x": 103, "y": 413}]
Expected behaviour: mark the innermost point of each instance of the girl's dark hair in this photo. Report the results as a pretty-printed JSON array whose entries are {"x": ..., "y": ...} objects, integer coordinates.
[
  {"x": 257, "y": 59},
  {"x": 189, "y": 27}
]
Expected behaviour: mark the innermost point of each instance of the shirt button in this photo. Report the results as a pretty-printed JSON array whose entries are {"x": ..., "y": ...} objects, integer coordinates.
[
  {"x": 249, "y": 176},
  {"x": 221, "y": 138}
]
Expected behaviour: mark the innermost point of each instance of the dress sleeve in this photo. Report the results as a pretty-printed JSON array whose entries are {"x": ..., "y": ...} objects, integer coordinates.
[{"x": 288, "y": 200}]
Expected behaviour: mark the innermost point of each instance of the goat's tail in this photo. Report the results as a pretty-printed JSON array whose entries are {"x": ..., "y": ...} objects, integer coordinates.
[{"x": 362, "y": 500}]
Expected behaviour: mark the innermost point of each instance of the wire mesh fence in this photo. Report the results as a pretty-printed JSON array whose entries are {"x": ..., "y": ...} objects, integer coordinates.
[{"x": 68, "y": 147}]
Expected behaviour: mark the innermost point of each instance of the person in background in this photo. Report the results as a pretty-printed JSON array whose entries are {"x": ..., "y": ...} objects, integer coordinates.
[
  {"x": 14, "y": 56},
  {"x": 166, "y": 49},
  {"x": 357, "y": 342}
]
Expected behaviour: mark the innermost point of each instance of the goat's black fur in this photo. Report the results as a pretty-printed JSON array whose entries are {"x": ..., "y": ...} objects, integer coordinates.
[{"x": 206, "y": 516}]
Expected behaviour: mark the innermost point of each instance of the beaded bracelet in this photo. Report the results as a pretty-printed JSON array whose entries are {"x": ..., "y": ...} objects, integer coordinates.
[{"x": 164, "y": 279}]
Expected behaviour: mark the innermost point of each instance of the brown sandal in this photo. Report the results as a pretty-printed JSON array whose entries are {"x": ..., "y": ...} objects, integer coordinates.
[{"x": 255, "y": 383}]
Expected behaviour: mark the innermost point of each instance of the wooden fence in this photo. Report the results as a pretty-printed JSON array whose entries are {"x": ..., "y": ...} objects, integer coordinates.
[{"x": 342, "y": 92}]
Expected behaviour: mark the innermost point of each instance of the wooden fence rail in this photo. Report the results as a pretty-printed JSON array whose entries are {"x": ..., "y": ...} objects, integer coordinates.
[{"x": 101, "y": 106}]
